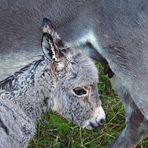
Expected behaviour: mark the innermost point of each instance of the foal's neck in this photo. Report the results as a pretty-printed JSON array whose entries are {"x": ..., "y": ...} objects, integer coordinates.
[{"x": 31, "y": 87}]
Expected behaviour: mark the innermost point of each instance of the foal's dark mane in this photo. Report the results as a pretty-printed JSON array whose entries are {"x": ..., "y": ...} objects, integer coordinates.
[{"x": 7, "y": 83}]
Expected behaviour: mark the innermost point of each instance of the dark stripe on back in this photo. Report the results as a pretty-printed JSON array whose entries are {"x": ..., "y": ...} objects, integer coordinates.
[{"x": 3, "y": 126}]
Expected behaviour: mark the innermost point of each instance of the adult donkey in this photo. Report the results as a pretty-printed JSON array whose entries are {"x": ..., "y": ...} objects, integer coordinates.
[{"x": 116, "y": 30}]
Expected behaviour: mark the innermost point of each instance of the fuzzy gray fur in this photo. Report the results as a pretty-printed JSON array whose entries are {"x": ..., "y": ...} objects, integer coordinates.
[
  {"x": 116, "y": 29},
  {"x": 44, "y": 85}
]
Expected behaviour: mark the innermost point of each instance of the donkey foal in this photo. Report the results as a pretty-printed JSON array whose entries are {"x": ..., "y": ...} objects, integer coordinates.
[{"x": 63, "y": 80}]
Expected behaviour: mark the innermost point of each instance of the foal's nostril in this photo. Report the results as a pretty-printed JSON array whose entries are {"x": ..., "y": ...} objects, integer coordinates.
[
  {"x": 93, "y": 125},
  {"x": 102, "y": 121}
]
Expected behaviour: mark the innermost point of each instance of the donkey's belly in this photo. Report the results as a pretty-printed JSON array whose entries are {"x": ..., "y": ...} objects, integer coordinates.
[{"x": 12, "y": 62}]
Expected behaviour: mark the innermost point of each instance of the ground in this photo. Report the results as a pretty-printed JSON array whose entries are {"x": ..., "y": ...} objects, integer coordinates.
[{"x": 55, "y": 132}]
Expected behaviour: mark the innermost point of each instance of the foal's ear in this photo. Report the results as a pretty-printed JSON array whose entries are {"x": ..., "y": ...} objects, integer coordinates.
[{"x": 52, "y": 44}]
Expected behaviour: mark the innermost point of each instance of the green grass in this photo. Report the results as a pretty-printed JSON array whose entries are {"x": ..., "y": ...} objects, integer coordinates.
[{"x": 56, "y": 132}]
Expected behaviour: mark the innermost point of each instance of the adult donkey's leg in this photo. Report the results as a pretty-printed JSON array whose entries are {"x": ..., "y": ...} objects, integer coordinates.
[
  {"x": 135, "y": 130},
  {"x": 136, "y": 125}
]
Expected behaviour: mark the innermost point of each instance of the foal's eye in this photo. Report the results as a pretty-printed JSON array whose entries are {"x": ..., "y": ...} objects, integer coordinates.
[{"x": 80, "y": 91}]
